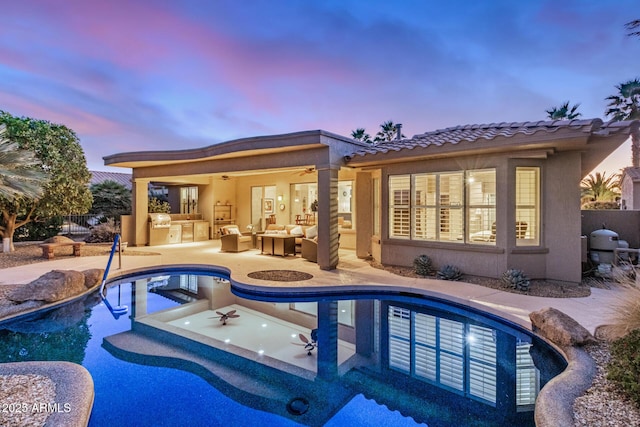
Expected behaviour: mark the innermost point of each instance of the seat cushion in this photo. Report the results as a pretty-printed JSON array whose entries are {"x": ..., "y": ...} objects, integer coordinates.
[
  {"x": 311, "y": 232},
  {"x": 297, "y": 231}
]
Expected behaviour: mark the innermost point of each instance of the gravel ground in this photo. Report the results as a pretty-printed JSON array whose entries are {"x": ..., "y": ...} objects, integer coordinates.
[
  {"x": 537, "y": 288},
  {"x": 30, "y": 253},
  {"x": 603, "y": 404}
]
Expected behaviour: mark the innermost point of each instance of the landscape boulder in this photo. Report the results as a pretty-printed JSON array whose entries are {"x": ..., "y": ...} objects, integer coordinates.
[
  {"x": 559, "y": 328},
  {"x": 56, "y": 285},
  {"x": 93, "y": 277}
]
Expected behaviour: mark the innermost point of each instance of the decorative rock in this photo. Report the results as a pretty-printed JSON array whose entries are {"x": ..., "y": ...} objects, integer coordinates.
[
  {"x": 93, "y": 277},
  {"x": 56, "y": 320},
  {"x": 559, "y": 328},
  {"x": 53, "y": 286}
]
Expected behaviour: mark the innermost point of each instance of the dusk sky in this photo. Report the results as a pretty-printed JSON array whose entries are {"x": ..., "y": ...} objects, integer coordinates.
[{"x": 136, "y": 75}]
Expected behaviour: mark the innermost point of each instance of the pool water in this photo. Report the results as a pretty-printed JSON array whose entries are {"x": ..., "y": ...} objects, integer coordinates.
[{"x": 373, "y": 383}]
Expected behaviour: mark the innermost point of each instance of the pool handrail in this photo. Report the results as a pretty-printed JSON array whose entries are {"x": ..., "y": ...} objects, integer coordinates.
[{"x": 119, "y": 310}]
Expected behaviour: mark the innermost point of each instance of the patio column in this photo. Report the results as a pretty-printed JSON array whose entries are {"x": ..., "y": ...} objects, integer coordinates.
[
  {"x": 327, "y": 339},
  {"x": 139, "y": 295},
  {"x": 140, "y": 210},
  {"x": 328, "y": 218}
]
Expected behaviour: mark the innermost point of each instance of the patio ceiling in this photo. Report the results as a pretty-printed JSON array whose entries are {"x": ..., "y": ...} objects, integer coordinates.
[{"x": 205, "y": 178}]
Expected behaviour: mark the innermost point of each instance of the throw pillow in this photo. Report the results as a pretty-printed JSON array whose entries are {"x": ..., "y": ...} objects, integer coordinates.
[
  {"x": 296, "y": 230},
  {"x": 311, "y": 232},
  {"x": 233, "y": 230}
]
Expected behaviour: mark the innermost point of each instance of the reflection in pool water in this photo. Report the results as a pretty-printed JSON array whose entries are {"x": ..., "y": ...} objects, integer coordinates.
[{"x": 377, "y": 358}]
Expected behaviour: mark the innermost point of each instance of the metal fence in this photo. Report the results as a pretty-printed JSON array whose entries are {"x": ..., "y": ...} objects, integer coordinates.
[{"x": 78, "y": 224}]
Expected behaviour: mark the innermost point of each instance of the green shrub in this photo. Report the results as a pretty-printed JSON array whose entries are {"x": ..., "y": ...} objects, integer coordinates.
[
  {"x": 449, "y": 272},
  {"x": 516, "y": 279},
  {"x": 103, "y": 233},
  {"x": 624, "y": 368},
  {"x": 158, "y": 206},
  {"x": 422, "y": 265},
  {"x": 39, "y": 230}
]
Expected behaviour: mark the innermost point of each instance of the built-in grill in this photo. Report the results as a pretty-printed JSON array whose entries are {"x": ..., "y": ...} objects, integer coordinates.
[
  {"x": 159, "y": 220},
  {"x": 169, "y": 229}
]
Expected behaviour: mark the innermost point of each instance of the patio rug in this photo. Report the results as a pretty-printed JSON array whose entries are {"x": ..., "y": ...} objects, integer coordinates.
[{"x": 280, "y": 275}]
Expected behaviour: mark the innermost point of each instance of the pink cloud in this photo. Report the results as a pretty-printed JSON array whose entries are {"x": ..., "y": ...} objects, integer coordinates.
[{"x": 80, "y": 121}]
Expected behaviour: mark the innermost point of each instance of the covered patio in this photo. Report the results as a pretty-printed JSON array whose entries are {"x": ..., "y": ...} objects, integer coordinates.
[{"x": 297, "y": 178}]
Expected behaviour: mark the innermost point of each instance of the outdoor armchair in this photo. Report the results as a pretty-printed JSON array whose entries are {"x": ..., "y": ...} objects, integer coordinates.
[{"x": 234, "y": 241}]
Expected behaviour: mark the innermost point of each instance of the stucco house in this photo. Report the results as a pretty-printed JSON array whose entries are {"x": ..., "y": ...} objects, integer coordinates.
[
  {"x": 482, "y": 197},
  {"x": 630, "y": 189}
]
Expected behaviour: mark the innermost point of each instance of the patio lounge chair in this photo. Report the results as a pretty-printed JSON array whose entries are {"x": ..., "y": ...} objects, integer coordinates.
[
  {"x": 309, "y": 250},
  {"x": 234, "y": 241}
]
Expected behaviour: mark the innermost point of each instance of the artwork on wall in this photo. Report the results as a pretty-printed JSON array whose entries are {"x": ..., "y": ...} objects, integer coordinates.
[{"x": 268, "y": 206}]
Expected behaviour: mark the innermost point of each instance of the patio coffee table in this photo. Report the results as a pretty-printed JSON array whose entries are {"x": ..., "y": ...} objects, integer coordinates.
[{"x": 278, "y": 244}]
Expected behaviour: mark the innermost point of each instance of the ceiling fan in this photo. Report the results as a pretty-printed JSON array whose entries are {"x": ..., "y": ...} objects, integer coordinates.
[
  {"x": 225, "y": 316},
  {"x": 307, "y": 171},
  {"x": 309, "y": 344}
]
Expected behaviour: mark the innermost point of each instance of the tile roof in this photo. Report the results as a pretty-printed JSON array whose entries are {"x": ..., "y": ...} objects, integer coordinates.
[
  {"x": 123, "y": 179},
  {"x": 487, "y": 132}
]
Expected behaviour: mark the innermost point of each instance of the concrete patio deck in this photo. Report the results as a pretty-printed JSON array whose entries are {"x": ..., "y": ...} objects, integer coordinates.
[{"x": 351, "y": 273}]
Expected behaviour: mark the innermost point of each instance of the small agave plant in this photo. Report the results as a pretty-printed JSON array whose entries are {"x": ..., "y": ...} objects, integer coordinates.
[
  {"x": 516, "y": 279},
  {"x": 449, "y": 272},
  {"x": 422, "y": 265}
]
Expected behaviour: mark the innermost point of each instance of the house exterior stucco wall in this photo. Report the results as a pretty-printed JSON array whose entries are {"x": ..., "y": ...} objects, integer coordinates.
[
  {"x": 561, "y": 217},
  {"x": 627, "y": 193},
  {"x": 482, "y": 260},
  {"x": 557, "y": 257},
  {"x": 625, "y": 223}
]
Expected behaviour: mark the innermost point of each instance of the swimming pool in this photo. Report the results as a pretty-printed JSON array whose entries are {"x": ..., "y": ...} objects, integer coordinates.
[{"x": 379, "y": 357}]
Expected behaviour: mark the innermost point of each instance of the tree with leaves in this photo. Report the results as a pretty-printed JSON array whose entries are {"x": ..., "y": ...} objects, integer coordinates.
[
  {"x": 110, "y": 199},
  {"x": 361, "y": 135},
  {"x": 564, "y": 112},
  {"x": 21, "y": 173},
  {"x": 387, "y": 132},
  {"x": 633, "y": 27},
  {"x": 66, "y": 188},
  {"x": 625, "y": 105},
  {"x": 599, "y": 188}
]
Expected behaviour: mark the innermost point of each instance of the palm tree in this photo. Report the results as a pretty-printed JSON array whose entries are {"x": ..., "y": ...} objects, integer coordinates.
[
  {"x": 563, "y": 112},
  {"x": 626, "y": 106},
  {"x": 600, "y": 188},
  {"x": 633, "y": 27},
  {"x": 20, "y": 174},
  {"x": 361, "y": 135},
  {"x": 387, "y": 132}
]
